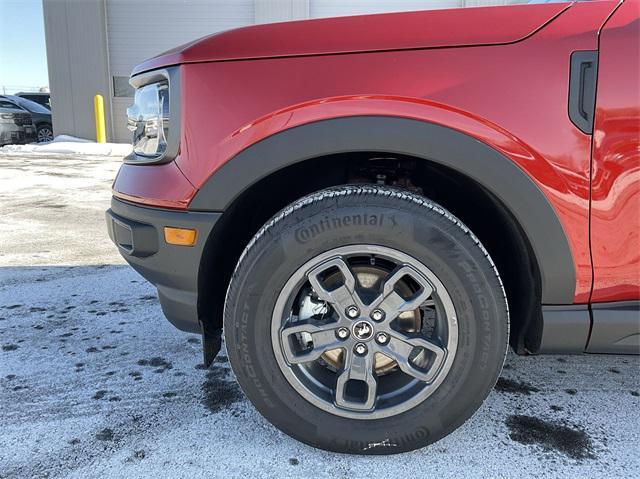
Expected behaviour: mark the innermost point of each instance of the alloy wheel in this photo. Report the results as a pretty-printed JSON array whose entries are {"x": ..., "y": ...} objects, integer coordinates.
[
  {"x": 45, "y": 135},
  {"x": 364, "y": 331}
]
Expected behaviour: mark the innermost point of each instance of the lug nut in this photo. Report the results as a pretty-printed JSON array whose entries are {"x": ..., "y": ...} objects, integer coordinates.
[
  {"x": 377, "y": 315},
  {"x": 342, "y": 333},
  {"x": 353, "y": 312},
  {"x": 360, "y": 349},
  {"x": 382, "y": 338}
]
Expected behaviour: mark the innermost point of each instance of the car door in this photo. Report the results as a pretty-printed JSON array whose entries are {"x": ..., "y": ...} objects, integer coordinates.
[{"x": 615, "y": 190}]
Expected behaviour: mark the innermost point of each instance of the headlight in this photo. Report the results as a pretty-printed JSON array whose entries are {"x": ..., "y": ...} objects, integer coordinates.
[
  {"x": 148, "y": 119},
  {"x": 154, "y": 117},
  {"x": 7, "y": 118}
]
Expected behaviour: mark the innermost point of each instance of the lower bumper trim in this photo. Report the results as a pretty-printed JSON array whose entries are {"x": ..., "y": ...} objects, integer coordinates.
[{"x": 137, "y": 231}]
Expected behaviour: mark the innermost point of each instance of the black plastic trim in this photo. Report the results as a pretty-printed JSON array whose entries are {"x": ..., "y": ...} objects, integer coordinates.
[
  {"x": 565, "y": 329},
  {"x": 616, "y": 328},
  {"x": 172, "y": 76},
  {"x": 131, "y": 237},
  {"x": 172, "y": 269},
  {"x": 436, "y": 143},
  {"x": 582, "y": 89}
]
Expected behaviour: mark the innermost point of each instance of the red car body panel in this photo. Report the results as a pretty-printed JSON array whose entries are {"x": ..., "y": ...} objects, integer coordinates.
[
  {"x": 615, "y": 207},
  {"x": 159, "y": 185},
  {"x": 512, "y": 97},
  {"x": 365, "y": 33}
]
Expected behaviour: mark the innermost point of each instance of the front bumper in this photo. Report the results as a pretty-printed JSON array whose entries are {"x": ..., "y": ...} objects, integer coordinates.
[
  {"x": 12, "y": 134},
  {"x": 137, "y": 231}
]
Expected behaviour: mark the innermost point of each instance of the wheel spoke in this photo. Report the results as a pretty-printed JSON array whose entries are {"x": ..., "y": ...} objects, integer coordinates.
[
  {"x": 357, "y": 368},
  {"x": 344, "y": 295},
  {"x": 400, "y": 348},
  {"x": 323, "y": 338},
  {"x": 392, "y": 303}
]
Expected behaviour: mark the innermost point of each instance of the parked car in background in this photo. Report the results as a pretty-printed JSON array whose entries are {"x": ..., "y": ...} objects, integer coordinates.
[
  {"x": 40, "y": 114},
  {"x": 375, "y": 207},
  {"x": 43, "y": 99},
  {"x": 16, "y": 124}
]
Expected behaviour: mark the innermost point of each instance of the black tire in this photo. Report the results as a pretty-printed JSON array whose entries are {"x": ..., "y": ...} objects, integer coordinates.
[{"x": 413, "y": 225}]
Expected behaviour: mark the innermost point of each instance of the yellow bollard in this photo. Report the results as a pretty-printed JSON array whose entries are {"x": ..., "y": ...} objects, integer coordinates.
[{"x": 98, "y": 108}]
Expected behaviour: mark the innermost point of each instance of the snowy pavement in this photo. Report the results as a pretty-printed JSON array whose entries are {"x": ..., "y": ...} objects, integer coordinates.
[{"x": 95, "y": 383}]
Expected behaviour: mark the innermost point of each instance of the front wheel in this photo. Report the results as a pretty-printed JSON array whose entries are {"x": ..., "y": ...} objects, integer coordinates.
[{"x": 365, "y": 319}]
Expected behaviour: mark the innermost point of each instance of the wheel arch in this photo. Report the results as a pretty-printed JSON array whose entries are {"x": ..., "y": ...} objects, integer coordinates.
[{"x": 236, "y": 187}]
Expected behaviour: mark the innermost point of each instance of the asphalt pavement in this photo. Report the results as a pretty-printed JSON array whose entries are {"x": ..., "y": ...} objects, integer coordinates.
[{"x": 94, "y": 382}]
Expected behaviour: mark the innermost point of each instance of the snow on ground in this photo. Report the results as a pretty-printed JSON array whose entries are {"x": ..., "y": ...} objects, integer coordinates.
[
  {"x": 52, "y": 209},
  {"x": 68, "y": 145},
  {"x": 95, "y": 383}
]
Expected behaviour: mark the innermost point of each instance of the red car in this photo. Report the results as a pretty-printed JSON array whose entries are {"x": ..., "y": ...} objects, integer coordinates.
[{"x": 373, "y": 208}]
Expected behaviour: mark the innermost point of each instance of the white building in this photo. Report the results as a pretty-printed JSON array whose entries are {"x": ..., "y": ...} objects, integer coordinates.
[{"x": 92, "y": 45}]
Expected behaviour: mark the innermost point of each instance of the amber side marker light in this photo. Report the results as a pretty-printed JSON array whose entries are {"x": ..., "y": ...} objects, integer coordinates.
[{"x": 180, "y": 236}]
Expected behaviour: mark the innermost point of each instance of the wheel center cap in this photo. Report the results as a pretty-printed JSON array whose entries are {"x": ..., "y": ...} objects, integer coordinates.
[{"x": 362, "y": 330}]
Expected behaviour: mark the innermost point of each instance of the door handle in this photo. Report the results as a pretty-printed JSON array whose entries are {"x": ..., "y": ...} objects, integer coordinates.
[{"x": 583, "y": 79}]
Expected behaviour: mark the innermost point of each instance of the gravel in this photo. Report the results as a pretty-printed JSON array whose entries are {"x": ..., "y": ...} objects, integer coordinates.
[{"x": 95, "y": 383}]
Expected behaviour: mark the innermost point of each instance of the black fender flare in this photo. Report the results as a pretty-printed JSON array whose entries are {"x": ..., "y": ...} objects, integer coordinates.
[{"x": 420, "y": 139}]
